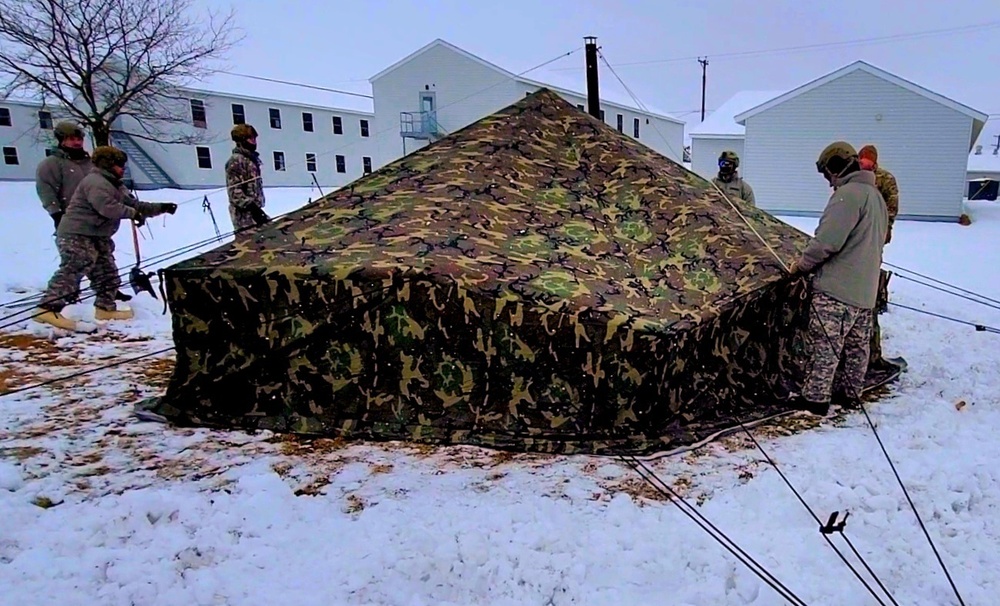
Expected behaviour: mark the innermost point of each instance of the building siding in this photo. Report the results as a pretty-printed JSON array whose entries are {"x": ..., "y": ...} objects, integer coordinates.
[
  {"x": 923, "y": 143},
  {"x": 465, "y": 91},
  {"x": 705, "y": 154},
  {"x": 24, "y": 135},
  {"x": 180, "y": 161}
]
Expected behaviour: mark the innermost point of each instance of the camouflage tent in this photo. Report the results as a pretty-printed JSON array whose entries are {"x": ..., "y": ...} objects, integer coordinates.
[{"x": 535, "y": 281}]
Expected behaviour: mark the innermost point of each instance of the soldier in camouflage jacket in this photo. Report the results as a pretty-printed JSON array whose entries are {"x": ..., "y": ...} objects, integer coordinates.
[
  {"x": 243, "y": 180},
  {"x": 730, "y": 182},
  {"x": 885, "y": 183}
]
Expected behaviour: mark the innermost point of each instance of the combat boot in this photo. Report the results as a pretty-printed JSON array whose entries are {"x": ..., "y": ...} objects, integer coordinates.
[
  {"x": 56, "y": 319},
  {"x": 113, "y": 314}
]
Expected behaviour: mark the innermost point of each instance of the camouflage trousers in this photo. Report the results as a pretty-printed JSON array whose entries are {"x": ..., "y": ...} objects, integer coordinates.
[
  {"x": 242, "y": 219},
  {"x": 838, "y": 339},
  {"x": 881, "y": 306},
  {"x": 79, "y": 256}
]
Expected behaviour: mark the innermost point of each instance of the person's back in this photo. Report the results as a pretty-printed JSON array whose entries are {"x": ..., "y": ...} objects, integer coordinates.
[{"x": 850, "y": 238}]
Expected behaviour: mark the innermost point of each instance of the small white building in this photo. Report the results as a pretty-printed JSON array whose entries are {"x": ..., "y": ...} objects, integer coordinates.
[
  {"x": 984, "y": 161},
  {"x": 923, "y": 138},
  {"x": 720, "y": 132},
  {"x": 441, "y": 88}
]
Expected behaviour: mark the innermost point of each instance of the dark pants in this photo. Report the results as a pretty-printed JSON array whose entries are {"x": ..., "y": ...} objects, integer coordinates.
[{"x": 90, "y": 256}]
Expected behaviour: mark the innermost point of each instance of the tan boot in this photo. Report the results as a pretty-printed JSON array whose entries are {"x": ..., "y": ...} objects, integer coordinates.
[
  {"x": 56, "y": 319},
  {"x": 118, "y": 314}
]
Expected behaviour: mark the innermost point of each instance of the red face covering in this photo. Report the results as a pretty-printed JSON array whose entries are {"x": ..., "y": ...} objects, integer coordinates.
[{"x": 867, "y": 164}]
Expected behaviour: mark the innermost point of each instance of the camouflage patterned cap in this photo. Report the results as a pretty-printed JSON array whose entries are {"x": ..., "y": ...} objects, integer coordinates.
[
  {"x": 242, "y": 132},
  {"x": 731, "y": 156},
  {"x": 67, "y": 129},
  {"x": 106, "y": 157},
  {"x": 837, "y": 149}
]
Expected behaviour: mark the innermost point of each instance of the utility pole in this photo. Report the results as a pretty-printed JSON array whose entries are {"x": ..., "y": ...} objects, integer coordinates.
[
  {"x": 704, "y": 82},
  {"x": 593, "y": 88}
]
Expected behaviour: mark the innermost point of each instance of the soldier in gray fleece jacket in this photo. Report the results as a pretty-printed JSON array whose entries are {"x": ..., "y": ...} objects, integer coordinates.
[
  {"x": 85, "y": 243},
  {"x": 845, "y": 257}
]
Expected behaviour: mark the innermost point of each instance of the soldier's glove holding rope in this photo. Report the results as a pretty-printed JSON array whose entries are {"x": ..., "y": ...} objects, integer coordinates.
[
  {"x": 139, "y": 218},
  {"x": 166, "y": 207},
  {"x": 258, "y": 215},
  {"x": 57, "y": 217}
]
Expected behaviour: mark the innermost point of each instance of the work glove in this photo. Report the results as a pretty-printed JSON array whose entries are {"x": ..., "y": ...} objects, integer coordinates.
[
  {"x": 139, "y": 218},
  {"x": 57, "y": 217},
  {"x": 258, "y": 215},
  {"x": 166, "y": 207}
]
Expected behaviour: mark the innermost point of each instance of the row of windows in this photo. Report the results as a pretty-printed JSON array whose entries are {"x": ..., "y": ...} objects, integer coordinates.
[
  {"x": 621, "y": 122},
  {"x": 204, "y": 155},
  {"x": 199, "y": 118},
  {"x": 44, "y": 118}
]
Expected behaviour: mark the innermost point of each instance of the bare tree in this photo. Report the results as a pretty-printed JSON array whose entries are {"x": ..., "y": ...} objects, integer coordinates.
[{"x": 101, "y": 61}]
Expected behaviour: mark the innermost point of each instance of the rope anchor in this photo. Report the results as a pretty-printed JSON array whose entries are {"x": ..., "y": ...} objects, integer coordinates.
[{"x": 832, "y": 525}]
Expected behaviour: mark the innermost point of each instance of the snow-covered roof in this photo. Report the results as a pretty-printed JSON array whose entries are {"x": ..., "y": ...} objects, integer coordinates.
[
  {"x": 978, "y": 117},
  {"x": 229, "y": 85},
  {"x": 986, "y": 163},
  {"x": 722, "y": 122},
  {"x": 434, "y": 44}
]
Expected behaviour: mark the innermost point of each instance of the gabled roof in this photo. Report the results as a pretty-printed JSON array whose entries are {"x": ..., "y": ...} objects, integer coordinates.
[
  {"x": 435, "y": 44},
  {"x": 620, "y": 103},
  {"x": 721, "y": 124},
  {"x": 976, "y": 115},
  {"x": 612, "y": 98},
  {"x": 986, "y": 162}
]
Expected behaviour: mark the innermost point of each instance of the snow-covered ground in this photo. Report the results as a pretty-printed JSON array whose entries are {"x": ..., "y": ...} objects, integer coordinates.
[{"x": 99, "y": 508}]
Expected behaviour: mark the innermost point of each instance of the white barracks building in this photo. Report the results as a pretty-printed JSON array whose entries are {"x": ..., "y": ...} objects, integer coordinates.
[{"x": 308, "y": 138}]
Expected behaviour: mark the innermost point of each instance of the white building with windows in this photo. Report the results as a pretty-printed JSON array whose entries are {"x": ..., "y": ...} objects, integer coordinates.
[
  {"x": 441, "y": 88},
  {"x": 720, "y": 132},
  {"x": 923, "y": 138},
  {"x": 323, "y": 138}
]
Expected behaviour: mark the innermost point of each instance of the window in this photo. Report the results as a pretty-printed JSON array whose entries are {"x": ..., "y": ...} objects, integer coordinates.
[
  {"x": 367, "y": 164},
  {"x": 10, "y": 156},
  {"x": 44, "y": 119},
  {"x": 275, "y": 115},
  {"x": 311, "y": 162},
  {"x": 338, "y": 125},
  {"x": 341, "y": 164},
  {"x": 204, "y": 157},
  {"x": 198, "y": 113},
  {"x": 239, "y": 114},
  {"x": 307, "y": 122},
  {"x": 5, "y": 117},
  {"x": 364, "y": 128},
  {"x": 621, "y": 123},
  {"x": 602, "y": 115},
  {"x": 635, "y": 128},
  {"x": 279, "y": 161}
]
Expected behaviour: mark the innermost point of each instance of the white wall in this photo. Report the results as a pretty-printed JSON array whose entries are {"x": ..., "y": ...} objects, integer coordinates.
[
  {"x": 924, "y": 144},
  {"x": 705, "y": 154},
  {"x": 25, "y": 136},
  {"x": 181, "y": 161},
  {"x": 666, "y": 137},
  {"x": 465, "y": 91}
]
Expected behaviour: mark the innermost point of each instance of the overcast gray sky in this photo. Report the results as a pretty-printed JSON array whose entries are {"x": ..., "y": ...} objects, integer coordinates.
[{"x": 344, "y": 43}]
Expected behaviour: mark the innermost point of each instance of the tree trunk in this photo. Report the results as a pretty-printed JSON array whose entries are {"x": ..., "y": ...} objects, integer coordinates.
[{"x": 102, "y": 133}]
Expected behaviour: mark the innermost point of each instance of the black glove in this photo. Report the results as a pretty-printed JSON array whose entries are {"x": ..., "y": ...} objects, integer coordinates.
[
  {"x": 139, "y": 218},
  {"x": 258, "y": 215},
  {"x": 167, "y": 207},
  {"x": 57, "y": 217}
]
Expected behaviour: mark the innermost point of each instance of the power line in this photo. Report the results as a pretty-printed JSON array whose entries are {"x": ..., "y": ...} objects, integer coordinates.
[
  {"x": 301, "y": 85},
  {"x": 813, "y": 47}
]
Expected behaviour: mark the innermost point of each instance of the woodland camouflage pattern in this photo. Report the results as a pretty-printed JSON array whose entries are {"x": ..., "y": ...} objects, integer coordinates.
[{"x": 535, "y": 281}]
